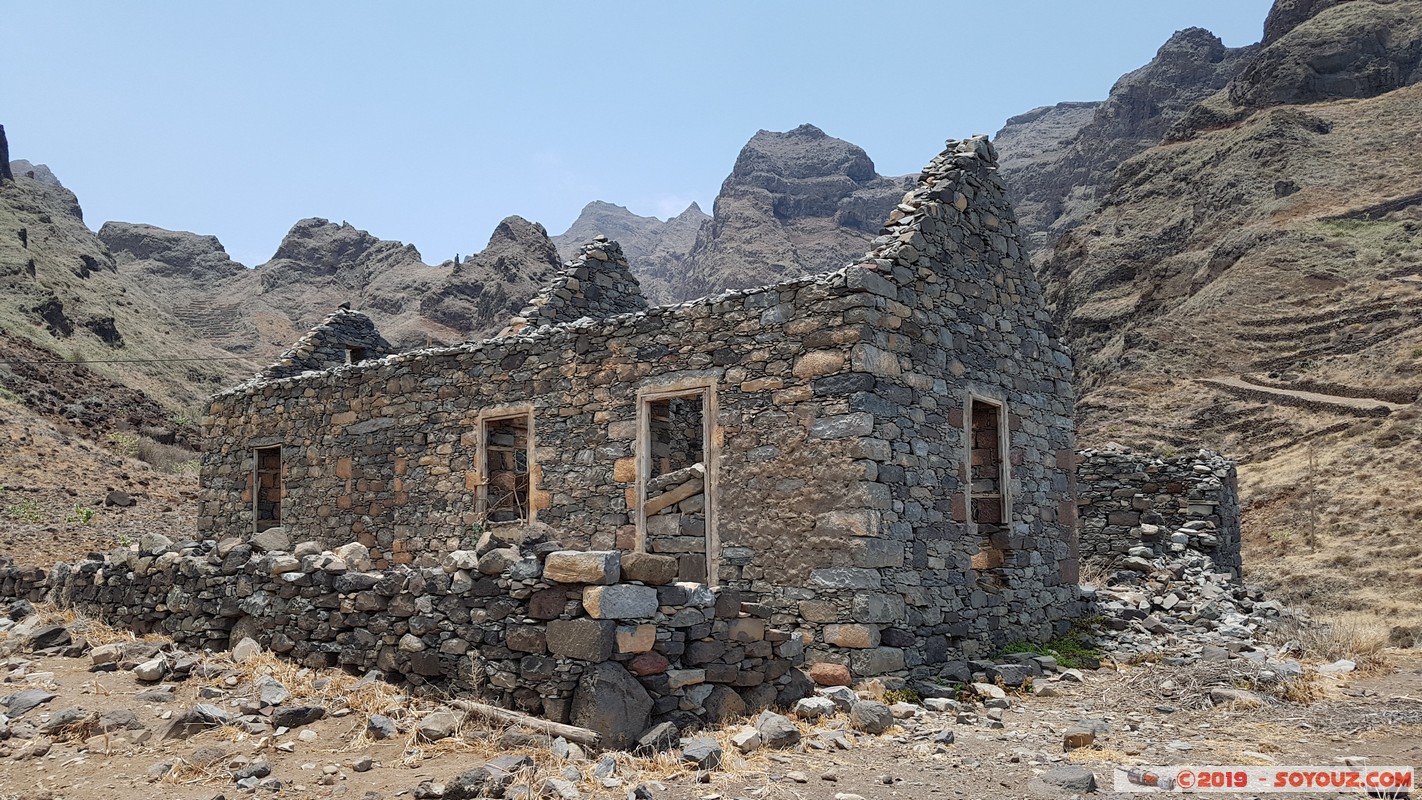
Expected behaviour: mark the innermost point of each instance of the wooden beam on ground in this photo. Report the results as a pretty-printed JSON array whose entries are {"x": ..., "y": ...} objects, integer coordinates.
[{"x": 572, "y": 733}]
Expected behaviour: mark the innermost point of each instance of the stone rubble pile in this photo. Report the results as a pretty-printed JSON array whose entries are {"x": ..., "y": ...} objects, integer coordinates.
[{"x": 1183, "y": 607}]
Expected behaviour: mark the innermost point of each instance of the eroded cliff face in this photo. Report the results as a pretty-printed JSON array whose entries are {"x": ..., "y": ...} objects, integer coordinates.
[
  {"x": 482, "y": 292},
  {"x": 1058, "y": 161},
  {"x": 795, "y": 203}
]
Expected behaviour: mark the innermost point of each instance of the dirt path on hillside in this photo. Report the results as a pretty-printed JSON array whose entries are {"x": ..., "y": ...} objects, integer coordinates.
[{"x": 1299, "y": 397}]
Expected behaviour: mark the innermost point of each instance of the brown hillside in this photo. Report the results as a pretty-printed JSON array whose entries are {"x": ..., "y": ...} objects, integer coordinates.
[{"x": 1282, "y": 251}]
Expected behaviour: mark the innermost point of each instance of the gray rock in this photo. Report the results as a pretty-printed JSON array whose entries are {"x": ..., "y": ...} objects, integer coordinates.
[
  {"x": 380, "y": 726},
  {"x": 439, "y": 725},
  {"x": 702, "y": 752},
  {"x": 297, "y": 716},
  {"x": 20, "y": 703},
  {"x": 870, "y": 717},
  {"x": 582, "y": 639},
  {"x": 776, "y": 730},
  {"x": 809, "y": 708},
  {"x": 151, "y": 670},
  {"x": 270, "y": 691},
  {"x": 658, "y": 739},
  {"x": 272, "y": 539},
  {"x": 1071, "y": 778},
  {"x": 195, "y": 720}
]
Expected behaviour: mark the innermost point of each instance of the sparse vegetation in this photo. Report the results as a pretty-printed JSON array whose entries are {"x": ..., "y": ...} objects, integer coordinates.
[
  {"x": 81, "y": 514},
  {"x": 1360, "y": 638},
  {"x": 1070, "y": 651},
  {"x": 25, "y": 510}
]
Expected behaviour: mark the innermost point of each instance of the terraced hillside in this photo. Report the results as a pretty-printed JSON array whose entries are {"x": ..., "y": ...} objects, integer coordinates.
[{"x": 1254, "y": 284}]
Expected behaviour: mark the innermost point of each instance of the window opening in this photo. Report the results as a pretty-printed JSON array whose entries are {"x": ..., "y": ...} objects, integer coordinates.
[
  {"x": 985, "y": 461},
  {"x": 987, "y": 487},
  {"x": 674, "y": 510},
  {"x": 506, "y": 463},
  {"x": 355, "y": 355},
  {"x": 267, "y": 498}
]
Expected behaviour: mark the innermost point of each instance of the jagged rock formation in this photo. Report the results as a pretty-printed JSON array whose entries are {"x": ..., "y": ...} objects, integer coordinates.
[
  {"x": 39, "y": 172},
  {"x": 1057, "y": 164},
  {"x": 796, "y": 203},
  {"x": 64, "y": 292},
  {"x": 481, "y": 293},
  {"x": 656, "y": 250},
  {"x": 5, "y": 172}
]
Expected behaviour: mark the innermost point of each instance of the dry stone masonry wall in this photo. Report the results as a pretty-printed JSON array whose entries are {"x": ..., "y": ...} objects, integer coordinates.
[
  {"x": 597, "y": 284},
  {"x": 1139, "y": 506},
  {"x": 833, "y": 466},
  {"x": 342, "y": 337},
  {"x": 604, "y": 640}
]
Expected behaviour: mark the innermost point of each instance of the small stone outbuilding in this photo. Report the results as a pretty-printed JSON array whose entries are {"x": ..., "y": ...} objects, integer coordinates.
[{"x": 879, "y": 458}]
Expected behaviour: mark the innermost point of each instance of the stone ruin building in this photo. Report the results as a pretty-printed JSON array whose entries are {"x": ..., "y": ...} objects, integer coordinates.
[{"x": 678, "y": 509}]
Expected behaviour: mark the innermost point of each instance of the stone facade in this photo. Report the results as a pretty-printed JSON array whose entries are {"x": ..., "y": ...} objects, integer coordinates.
[
  {"x": 1131, "y": 503},
  {"x": 834, "y": 461}
]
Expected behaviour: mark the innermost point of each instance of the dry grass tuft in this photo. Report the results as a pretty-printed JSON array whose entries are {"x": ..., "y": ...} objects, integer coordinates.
[
  {"x": 1189, "y": 686},
  {"x": 1359, "y": 638}
]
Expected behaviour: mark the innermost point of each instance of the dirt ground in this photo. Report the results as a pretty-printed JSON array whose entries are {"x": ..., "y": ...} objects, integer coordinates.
[
  {"x": 54, "y": 482},
  {"x": 1377, "y": 716}
]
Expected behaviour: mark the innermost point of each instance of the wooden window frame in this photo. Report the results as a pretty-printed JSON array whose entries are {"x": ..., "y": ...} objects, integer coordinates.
[
  {"x": 481, "y": 462},
  {"x": 1004, "y": 463}
]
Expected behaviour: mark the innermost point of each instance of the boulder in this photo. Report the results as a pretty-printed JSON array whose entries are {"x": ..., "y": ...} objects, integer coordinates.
[
  {"x": 702, "y": 752},
  {"x": 610, "y": 701},
  {"x": 439, "y": 725},
  {"x": 870, "y": 716}
]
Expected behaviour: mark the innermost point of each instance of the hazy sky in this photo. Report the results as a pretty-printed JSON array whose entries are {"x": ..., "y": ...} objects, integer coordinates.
[{"x": 429, "y": 122}]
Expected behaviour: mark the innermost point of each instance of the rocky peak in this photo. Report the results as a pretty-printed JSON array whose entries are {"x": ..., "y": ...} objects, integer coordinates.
[
  {"x": 172, "y": 252},
  {"x": 1056, "y": 165},
  {"x": 39, "y": 172},
  {"x": 806, "y": 170},
  {"x": 1286, "y": 15},
  {"x": 516, "y": 244},
  {"x": 1332, "y": 50},
  {"x": 327, "y": 247},
  {"x": 795, "y": 203},
  {"x": 484, "y": 290}
]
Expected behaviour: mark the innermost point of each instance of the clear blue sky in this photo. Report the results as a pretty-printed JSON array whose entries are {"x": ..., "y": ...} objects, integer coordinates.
[{"x": 429, "y": 122}]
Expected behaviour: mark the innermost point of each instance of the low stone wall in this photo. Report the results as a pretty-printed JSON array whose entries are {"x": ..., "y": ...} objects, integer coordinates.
[
  {"x": 1132, "y": 500},
  {"x": 603, "y": 640}
]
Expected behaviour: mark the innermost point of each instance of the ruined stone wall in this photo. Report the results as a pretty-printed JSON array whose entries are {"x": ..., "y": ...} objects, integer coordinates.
[
  {"x": 957, "y": 313},
  {"x": 1160, "y": 504},
  {"x": 597, "y": 284},
  {"x": 606, "y": 641},
  {"x": 328, "y": 345},
  {"x": 834, "y": 484}
]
